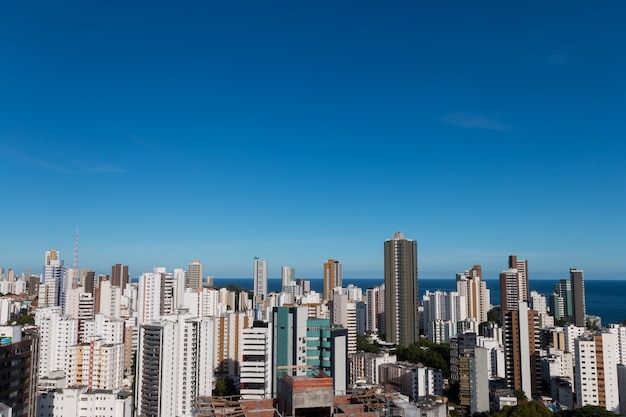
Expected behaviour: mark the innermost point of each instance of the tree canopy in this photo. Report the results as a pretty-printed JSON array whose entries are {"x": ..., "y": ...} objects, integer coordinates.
[
  {"x": 525, "y": 409},
  {"x": 428, "y": 353}
]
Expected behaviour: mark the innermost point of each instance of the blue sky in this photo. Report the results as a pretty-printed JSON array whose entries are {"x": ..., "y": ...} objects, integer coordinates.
[{"x": 302, "y": 131}]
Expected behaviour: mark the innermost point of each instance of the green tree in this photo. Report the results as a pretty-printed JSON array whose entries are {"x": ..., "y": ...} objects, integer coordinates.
[
  {"x": 25, "y": 319},
  {"x": 495, "y": 315},
  {"x": 225, "y": 388},
  {"x": 520, "y": 395},
  {"x": 363, "y": 343},
  {"x": 428, "y": 353},
  {"x": 525, "y": 409},
  {"x": 593, "y": 411}
]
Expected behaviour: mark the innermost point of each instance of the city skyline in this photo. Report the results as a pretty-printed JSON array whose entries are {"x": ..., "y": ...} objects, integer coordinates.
[{"x": 299, "y": 133}]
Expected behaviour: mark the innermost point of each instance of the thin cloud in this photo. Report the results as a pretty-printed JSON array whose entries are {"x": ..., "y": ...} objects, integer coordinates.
[
  {"x": 21, "y": 156},
  {"x": 107, "y": 169},
  {"x": 476, "y": 121},
  {"x": 17, "y": 154}
]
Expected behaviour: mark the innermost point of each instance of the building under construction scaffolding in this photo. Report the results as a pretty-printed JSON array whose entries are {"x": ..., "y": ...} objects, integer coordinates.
[{"x": 307, "y": 396}]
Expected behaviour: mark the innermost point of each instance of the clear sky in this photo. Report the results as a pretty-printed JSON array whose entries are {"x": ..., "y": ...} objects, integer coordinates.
[{"x": 302, "y": 131}]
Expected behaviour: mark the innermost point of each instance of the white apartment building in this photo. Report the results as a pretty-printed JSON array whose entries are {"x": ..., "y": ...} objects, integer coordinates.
[
  {"x": 104, "y": 327},
  {"x": 495, "y": 357},
  {"x": 12, "y": 287},
  {"x": 620, "y": 332},
  {"x": 572, "y": 333},
  {"x": 155, "y": 295},
  {"x": 256, "y": 365},
  {"x": 202, "y": 303},
  {"x": 84, "y": 402},
  {"x": 441, "y": 307},
  {"x": 344, "y": 313},
  {"x": 175, "y": 362},
  {"x": 96, "y": 365},
  {"x": 364, "y": 367},
  {"x": 109, "y": 299},
  {"x": 229, "y": 341},
  {"x": 478, "y": 298},
  {"x": 374, "y": 298},
  {"x": 57, "y": 334},
  {"x": 596, "y": 381},
  {"x": 558, "y": 364}
]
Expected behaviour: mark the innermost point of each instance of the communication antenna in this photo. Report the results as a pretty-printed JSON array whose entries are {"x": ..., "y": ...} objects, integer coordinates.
[{"x": 75, "y": 274}]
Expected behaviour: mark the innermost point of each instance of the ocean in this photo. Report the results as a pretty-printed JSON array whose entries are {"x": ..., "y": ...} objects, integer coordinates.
[{"x": 604, "y": 298}]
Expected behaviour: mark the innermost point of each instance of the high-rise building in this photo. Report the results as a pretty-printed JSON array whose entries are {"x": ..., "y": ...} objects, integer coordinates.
[
  {"x": 374, "y": 297},
  {"x": 260, "y": 280},
  {"x": 57, "y": 333},
  {"x": 577, "y": 278},
  {"x": 194, "y": 275},
  {"x": 175, "y": 360},
  {"x": 288, "y": 276},
  {"x": 401, "y": 296},
  {"x": 514, "y": 284},
  {"x": 332, "y": 278},
  {"x": 563, "y": 289},
  {"x": 52, "y": 288},
  {"x": 343, "y": 312},
  {"x": 303, "y": 346},
  {"x": 18, "y": 362},
  {"x": 155, "y": 295},
  {"x": 522, "y": 267},
  {"x": 596, "y": 371},
  {"x": 75, "y": 401},
  {"x": 119, "y": 276},
  {"x": 471, "y": 286},
  {"x": 96, "y": 365},
  {"x": 256, "y": 365},
  {"x": 522, "y": 348}
]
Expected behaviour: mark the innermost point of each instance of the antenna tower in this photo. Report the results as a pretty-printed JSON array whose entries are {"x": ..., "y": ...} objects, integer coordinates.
[{"x": 75, "y": 274}]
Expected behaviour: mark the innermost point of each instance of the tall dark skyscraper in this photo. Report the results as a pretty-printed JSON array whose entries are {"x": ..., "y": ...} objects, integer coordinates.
[
  {"x": 332, "y": 278},
  {"x": 577, "y": 278},
  {"x": 119, "y": 276},
  {"x": 401, "y": 297}
]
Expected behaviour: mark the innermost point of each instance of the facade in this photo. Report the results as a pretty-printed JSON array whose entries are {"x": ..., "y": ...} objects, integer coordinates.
[
  {"x": 415, "y": 381},
  {"x": 522, "y": 347},
  {"x": 260, "y": 280},
  {"x": 119, "y": 276},
  {"x": 18, "y": 374},
  {"x": 149, "y": 296},
  {"x": 84, "y": 402},
  {"x": 57, "y": 334},
  {"x": 401, "y": 291},
  {"x": 375, "y": 300},
  {"x": 307, "y": 346},
  {"x": 229, "y": 339},
  {"x": 364, "y": 367},
  {"x": 577, "y": 278},
  {"x": 256, "y": 363},
  {"x": 194, "y": 275},
  {"x": 96, "y": 365},
  {"x": 173, "y": 357},
  {"x": 596, "y": 379},
  {"x": 563, "y": 289},
  {"x": 478, "y": 298},
  {"x": 288, "y": 276},
  {"x": 514, "y": 284},
  {"x": 332, "y": 278},
  {"x": 343, "y": 312},
  {"x": 442, "y": 311}
]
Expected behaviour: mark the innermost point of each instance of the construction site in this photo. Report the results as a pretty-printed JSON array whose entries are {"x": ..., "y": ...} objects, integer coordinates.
[{"x": 313, "y": 396}]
